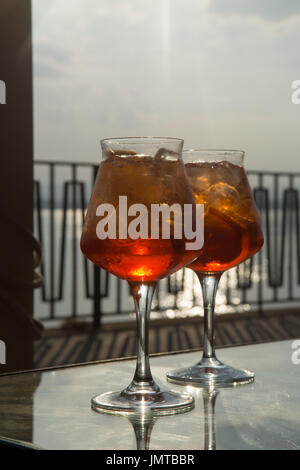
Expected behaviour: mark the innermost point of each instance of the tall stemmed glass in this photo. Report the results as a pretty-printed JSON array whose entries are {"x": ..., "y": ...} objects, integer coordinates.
[
  {"x": 232, "y": 233},
  {"x": 135, "y": 174}
]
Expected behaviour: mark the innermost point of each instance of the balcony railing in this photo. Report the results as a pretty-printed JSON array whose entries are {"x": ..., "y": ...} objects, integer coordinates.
[{"x": 75, "y": 288}]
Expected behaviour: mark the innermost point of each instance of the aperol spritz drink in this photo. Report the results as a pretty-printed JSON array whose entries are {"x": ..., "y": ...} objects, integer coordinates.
[
  {"x": 232, "y": 230},
  {"x": 136, "y": 177},
  {"x": 232, "y": 233},
  {"x": 144, "y": 180}
]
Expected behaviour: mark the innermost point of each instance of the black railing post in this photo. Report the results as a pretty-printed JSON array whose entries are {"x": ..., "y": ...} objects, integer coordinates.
[
  {"x": 52, "y": 241},
  {"x": 74, "y": 242},
  {"x": 97, "y": 280},
  {"x": 97, "y": 297}
]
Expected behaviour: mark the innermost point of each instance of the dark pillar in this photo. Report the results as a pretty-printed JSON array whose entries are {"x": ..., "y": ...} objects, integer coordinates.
[{"x": 16, "y": 183}]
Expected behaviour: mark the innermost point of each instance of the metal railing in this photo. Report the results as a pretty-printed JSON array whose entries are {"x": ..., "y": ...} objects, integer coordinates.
[{"x": 62, "y": 190}]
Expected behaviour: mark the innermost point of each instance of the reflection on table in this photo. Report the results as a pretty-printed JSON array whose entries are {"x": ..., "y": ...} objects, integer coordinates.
[{"x": 51, "y": 409}]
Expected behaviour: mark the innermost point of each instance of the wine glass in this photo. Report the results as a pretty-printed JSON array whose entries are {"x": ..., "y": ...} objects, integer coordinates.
[
  {"x": 232, "y": 233},
  {"x": 136, "y": 176}
]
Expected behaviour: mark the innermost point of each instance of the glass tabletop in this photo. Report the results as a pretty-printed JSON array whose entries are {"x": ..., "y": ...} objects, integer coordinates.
[{"x": 50, "y": 409}]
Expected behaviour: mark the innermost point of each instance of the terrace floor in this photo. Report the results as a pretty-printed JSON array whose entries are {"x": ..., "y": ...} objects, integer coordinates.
[{"x": 84, "y": 344}]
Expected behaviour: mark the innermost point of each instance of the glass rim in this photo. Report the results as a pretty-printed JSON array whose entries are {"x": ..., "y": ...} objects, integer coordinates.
[
  {"x": 139, "y": 139},
  {"x": 228, "y": 152},
  {"x": 233, "y": 156}
]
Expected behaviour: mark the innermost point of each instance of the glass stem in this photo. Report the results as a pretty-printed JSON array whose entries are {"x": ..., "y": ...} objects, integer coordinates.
[
  {"x": 142, "y": 429},
  {"x": 142, "y": 295},
  {"x": 209, "y": 401},
  {"x": 209, "y": 284}
]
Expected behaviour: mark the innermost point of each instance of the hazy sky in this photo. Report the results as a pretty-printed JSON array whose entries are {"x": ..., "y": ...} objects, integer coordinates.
[{"x": 217, "y": 73}]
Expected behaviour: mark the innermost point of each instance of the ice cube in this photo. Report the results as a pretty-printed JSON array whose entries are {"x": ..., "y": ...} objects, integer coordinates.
[
  {"x": 222, "y": 196},
  {"x": 228, "y": 173},
  {"x": 166, "y": 154}
]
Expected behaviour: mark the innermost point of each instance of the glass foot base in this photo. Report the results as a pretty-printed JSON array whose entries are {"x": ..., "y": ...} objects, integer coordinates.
[
  {"x": 210, "y": 374},
  {"x": 162, "y": 403}
]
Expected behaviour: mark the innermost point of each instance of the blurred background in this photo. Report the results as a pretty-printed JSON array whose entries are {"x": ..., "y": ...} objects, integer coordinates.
[{"x": 216, "y": 73}]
